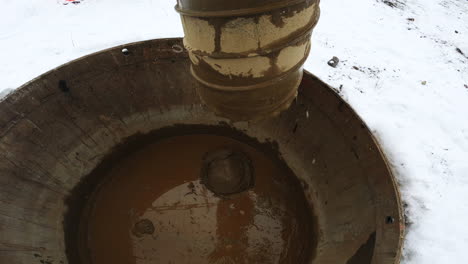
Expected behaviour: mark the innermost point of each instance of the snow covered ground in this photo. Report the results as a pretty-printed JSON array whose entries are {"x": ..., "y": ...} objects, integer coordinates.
[{"x": 404, "y": 68}]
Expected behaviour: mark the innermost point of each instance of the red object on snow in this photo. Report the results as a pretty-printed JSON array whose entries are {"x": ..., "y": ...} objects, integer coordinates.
[{"x": 66, "y": 2}]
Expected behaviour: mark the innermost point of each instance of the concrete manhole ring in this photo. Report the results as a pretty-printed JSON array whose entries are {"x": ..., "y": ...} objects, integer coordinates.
[{"x": 63, "y": 127}]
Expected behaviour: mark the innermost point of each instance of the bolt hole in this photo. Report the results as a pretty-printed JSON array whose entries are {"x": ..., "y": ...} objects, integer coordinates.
[
  {"x": 125, "y": 51},
  {"x": 389, "y": 220},
  {"x": 177, "y": 48},
  {"x": 63, "y": 86}
]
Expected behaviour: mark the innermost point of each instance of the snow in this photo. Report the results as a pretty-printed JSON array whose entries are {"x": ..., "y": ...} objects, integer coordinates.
[
  {"x": 38, "y": 35},
  {"x": 422, "y": 128},
  {"x": 403, "y": 67}
]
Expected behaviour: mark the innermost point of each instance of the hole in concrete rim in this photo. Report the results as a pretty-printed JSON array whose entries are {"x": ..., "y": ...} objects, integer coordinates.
[
  {"x": 63, "y": 86},
  {"x": 389, "y": 220}
]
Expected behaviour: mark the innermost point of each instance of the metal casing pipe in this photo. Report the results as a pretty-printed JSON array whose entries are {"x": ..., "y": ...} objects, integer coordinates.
[{"x": 246, "y": 55}]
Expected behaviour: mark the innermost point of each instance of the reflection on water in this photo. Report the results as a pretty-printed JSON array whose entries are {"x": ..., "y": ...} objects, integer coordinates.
[{"x": 153, "y": 209}]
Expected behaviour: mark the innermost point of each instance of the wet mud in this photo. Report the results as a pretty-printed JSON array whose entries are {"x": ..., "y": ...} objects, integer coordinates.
[{"x": 154, "y": 208}]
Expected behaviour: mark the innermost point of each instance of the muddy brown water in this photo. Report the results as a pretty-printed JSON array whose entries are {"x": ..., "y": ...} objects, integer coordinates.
[{"x": 152, "y": 208}]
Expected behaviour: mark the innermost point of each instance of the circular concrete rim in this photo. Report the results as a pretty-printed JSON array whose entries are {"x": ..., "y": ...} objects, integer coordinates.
[{"x": 58, "y": 127}]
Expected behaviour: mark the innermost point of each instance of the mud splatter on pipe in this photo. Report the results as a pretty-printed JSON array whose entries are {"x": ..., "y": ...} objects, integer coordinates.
[{"x": 247, "y": 55}]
